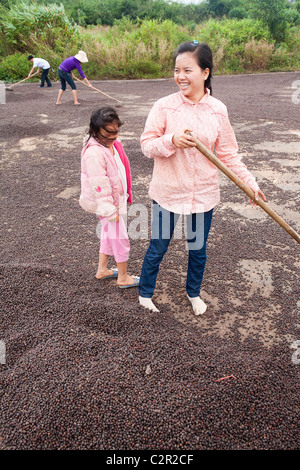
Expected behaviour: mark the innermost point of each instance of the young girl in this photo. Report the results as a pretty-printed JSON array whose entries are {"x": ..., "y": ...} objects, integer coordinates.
[
  {"x": 105, "y": 190},
  {"x": 184, "y": 181}
]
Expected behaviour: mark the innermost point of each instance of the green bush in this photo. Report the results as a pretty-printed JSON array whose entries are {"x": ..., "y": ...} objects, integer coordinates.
[
  {"x": 233, "y": 30},
  {"x": 227, "y": 39},
  {"x": 275, "y": 14},
  {"x": 144, "y": 49},
  {"x": 283, "y": 59},
  {"x": 27, "y": 23},
  {"x": 143, "y": 69},
  {"x": 136, "y": 49},
  {"x": 14, "y": 67},
  {"x": 238, "y": 12}
]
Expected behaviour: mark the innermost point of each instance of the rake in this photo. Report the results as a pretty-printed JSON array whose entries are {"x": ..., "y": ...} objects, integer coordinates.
[
  {"x": 96, "y": 89},
  {"x": 27, "y": 78},
  {"x": 208, "y": 154}
]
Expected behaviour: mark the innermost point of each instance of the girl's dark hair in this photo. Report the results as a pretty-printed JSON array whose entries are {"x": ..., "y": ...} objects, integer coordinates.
[
  {"x": 100, "y": 118},
  {"x": 203, "y": 56}
]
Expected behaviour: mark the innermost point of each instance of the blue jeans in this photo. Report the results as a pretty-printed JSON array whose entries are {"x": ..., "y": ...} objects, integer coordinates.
[
  {"x": 66, "y": 77},
  {"x": 163, "y": 225}
]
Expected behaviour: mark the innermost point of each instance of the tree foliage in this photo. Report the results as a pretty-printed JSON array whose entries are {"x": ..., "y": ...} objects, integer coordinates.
[
  {"x": 276, "y": 14},
  {"x": 136, "y": 38},
  {"x": 27, "y": 23},
  {"x": 105, "y": 12}
]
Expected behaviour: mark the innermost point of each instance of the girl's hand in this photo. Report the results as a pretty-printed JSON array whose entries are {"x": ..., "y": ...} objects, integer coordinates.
[
  {"x": 256, "y": 195},
  {"x": 114, "y": 218},
  {"x": 182, "y": 140}
]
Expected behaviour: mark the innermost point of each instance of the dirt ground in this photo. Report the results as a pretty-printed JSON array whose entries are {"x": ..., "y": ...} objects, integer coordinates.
[{"x": 85, "y": 367}]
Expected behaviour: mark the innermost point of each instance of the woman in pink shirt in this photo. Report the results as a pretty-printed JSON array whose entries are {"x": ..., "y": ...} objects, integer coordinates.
[{"x": 185, "y": 182}]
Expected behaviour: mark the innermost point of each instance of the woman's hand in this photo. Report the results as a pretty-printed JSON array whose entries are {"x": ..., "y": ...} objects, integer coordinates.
[
  {"x": 182, "y": 140},
  {"x": 88, "y": 83},
  {"x": 256, "y": 196}
]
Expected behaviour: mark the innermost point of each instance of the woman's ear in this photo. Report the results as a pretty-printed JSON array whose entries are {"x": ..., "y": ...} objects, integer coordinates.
[{"x": 206, "y": 73}]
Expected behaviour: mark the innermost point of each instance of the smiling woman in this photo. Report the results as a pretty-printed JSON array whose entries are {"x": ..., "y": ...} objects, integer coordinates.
[
  {"x": 190, "y": 78},
  {"x": 193, "y": 68},
  {"x": 184, "y": 182}
]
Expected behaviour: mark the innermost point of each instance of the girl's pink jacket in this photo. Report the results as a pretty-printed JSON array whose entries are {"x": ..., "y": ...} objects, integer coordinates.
[
  {"x": 101, "y": 187},
  {"x": 184, "y": 181}
]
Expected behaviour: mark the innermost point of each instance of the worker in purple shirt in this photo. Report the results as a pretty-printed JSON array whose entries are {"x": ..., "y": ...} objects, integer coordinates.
[{"x": 65, "y": 73}]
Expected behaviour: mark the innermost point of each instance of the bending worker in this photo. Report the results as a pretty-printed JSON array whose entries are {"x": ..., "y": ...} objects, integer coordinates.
[
  {"x": 65, "y": 73},
  {"x": 40, "y": 64}
]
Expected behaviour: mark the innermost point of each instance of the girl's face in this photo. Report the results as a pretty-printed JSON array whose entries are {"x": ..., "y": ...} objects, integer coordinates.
[
  {"x": 189, "y": 77},
  {"x": 108, "y": 134}
]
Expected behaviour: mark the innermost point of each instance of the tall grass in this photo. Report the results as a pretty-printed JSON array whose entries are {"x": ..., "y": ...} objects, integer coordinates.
[
  {"x": 144, "y": 49},
  {"x": 230, "y": 39},
  {"x": 247, "y": 45},
  {"x": 132, "y": 50},
  {"x": 25, "y": 22}
]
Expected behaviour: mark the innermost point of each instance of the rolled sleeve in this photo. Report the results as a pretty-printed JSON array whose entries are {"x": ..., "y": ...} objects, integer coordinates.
[{"x": 226, "y": 148}]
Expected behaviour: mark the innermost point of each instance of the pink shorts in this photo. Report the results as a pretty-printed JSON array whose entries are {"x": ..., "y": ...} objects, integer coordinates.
[{"x": 114, "y": 239}]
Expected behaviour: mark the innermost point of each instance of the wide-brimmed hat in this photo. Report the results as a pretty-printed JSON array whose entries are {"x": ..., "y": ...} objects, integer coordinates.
[{"x": 81, "y": 56}]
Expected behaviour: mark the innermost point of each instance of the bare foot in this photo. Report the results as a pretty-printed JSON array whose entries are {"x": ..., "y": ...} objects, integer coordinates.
[
  {"x": 126, "y": 280},
  {"x": 102, "y": 274},
  {"x": 76, "y": 103},
  {"x": 57, "y": 103}
]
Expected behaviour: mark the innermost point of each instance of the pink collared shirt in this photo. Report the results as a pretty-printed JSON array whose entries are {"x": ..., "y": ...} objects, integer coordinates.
[{"x": 184, "y": 181}]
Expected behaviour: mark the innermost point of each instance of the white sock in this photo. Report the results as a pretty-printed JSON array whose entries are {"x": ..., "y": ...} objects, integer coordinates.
[
  {"x": 147, "y": 303},
  {"x": 198, "y": 305}
]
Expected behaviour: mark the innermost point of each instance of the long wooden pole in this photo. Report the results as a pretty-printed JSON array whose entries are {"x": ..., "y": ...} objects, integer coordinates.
[
  {"x": 27, "y": 78},
  {"x": 96, "y": 89},
  {"x": 208, "y": 154}
]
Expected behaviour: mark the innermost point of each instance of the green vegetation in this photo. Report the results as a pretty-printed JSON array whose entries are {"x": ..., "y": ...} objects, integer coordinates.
[{"x": 136, "y": 39}]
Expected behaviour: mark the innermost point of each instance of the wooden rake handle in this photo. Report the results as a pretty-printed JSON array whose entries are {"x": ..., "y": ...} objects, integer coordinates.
[
  {"x": 27, "y": 78},
  {"x": 96, "y": 89},
  {"x": 208, "y": 154}
]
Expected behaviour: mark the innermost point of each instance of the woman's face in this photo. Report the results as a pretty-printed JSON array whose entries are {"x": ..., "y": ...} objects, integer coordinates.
[
  {"x": 108, "y": 134},
  {"x": 189, "y": 77}
]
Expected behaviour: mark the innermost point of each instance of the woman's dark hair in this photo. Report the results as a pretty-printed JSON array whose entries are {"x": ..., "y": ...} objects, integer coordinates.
[
  {"x": 30, "y": 57},
  {"x": 203, "y": 56},
  {"x": 100, "y": 118}
]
